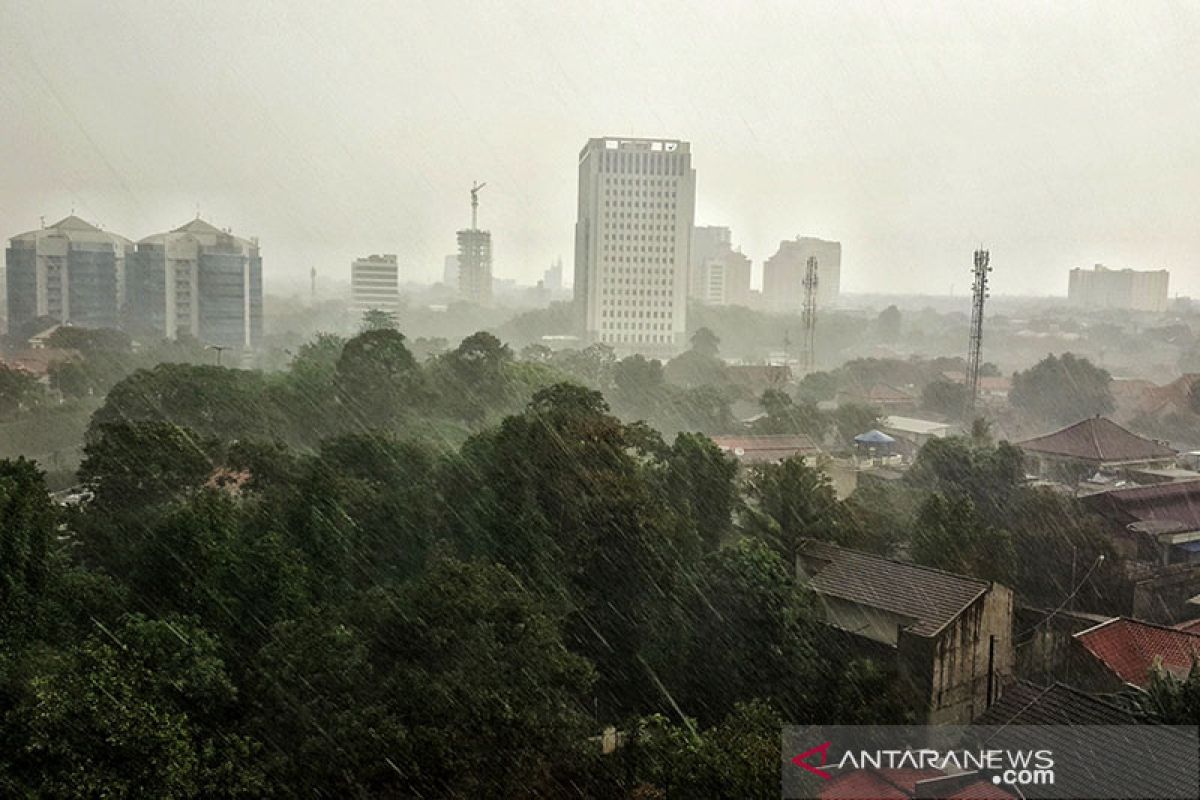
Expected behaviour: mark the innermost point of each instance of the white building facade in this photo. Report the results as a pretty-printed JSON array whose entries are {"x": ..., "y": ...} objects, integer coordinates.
[
  {"x": 375, "y": 284},
  {"x": 636, "y": 207}
]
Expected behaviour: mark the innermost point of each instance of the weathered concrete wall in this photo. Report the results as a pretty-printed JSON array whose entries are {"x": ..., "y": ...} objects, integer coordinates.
[{"x": 954, "y": 666}]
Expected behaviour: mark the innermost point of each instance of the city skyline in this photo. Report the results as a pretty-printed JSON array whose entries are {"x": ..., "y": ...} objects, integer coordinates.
[{"x": 893, "y": 130}]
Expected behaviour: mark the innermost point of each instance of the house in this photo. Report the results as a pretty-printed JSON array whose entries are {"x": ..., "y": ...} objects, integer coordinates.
[
  {"x": 1095, "y": 754},
  {"x": 1175, "y": 397},
  {"x": 767, "y": 449},
  {"x": 1094, "y": 445},
  {"x": 1123, "y": 652},
  {"x": 1157, "y": 524},
  {"x": 917, "y": 431},
  {"x": 950, "y": 635},
  {"x": 880, "y": 395}
]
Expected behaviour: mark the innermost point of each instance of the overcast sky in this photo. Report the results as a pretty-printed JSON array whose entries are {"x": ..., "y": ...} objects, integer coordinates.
[{"x": 1058, "y": 137}]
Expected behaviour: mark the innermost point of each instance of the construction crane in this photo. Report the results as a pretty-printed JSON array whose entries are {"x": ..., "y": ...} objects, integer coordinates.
[
  {"x": 475, "y": 187},
  {"x": 979, "y": 294},
  {"x": 809, "y": 317}
]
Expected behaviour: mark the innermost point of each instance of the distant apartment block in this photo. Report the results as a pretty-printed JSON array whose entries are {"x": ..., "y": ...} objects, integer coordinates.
[
  {"x": 783, "y": 274},
  {"x": 71, "y": 271},
  {"x": 475, "y": 266},
  {"x": 375, "y": 284},
  {"x": 197, "y": 280},
  {"x": 720, "y": 275},
  {"x": 1133, "y": 290},
  {"x": 632, "y": 241},
  {"x": 552, "y": 279}
]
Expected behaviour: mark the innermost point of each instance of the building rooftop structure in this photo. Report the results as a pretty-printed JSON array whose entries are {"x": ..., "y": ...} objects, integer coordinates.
[
  {"x": 1098, "y": 440},
  {"x": 1172, "y": 507},
  {"x": 767, "y": 448},
  {"x": 1131, "y": 649},
  {"x": 929, "y": 598},
  {"x": 1025, "y": 703}
]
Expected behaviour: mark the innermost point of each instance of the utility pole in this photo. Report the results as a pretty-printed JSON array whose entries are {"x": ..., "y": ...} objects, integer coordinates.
[
  {"x": 475, "y": 187},
  {"x": 979, "y": 289},
  {"x": 220, "y": 349},
  {"x": 809, "y": 316},
  {"x": 312, "y": 290}
]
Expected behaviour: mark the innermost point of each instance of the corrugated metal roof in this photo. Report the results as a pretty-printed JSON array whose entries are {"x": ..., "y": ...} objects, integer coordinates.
[
  {"x": 768, "y": 448},
  {"x": 930, "y": 597}
]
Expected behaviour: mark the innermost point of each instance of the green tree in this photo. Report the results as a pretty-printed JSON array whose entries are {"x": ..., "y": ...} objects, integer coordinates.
[
  {"x": 139, "y": 711},
  {"x": 790, "y": 501},
  {"x": 706, "y": 343},
  {"x": 752, "y": 628},
  {"x": 27, "y": 521},
  {"x": 18, "y": 390},
  {"x": 131, "y": 465},
  {"x": 1062, "y": 391},
  {"x": 473, "y": 378},
  {"x": 888, "y": 324},
  {"x": 699, "y": 482},
  {"x": 945, "y": 398},
  {"x": 376, "y": 319},
  {"x": 377, "y": 378},
  {"x": 951, "y": 535}
]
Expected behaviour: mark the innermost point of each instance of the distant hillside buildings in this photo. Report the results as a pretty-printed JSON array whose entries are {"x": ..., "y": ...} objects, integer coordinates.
[
  {"x": 375, "y": 284},
  {"x": 633, "y": 231},
  {"x": 196, "y": 280},
  {"x": 1128, "y": 289},
  {"x": 783, "y": 274}
]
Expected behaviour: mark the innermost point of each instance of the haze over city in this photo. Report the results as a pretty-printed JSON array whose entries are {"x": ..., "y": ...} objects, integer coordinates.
[{"x": 1054, "y": 137}]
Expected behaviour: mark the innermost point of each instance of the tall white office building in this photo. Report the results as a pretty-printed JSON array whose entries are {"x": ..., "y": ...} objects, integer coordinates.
[
  {"x": 375, "y": 284},
  {"x": 637, "y": 202}
]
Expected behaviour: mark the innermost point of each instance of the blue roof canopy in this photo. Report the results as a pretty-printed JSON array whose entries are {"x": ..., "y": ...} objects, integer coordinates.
[{"x": 874, "y": 437}]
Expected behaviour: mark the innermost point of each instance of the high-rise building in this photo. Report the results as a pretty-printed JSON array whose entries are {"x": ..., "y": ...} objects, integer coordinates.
[
  {"x": 720, "y": 275},
  {"x": 723, "y": 279},
  {"x": 450, "y": 270},
  {"x": 1135, "y": 290},
  {"x": 71, "y": 271},
  {"x": 552, "y": 278},
  {"x": 708, "y": 241},
  {"x": 783, "y": 274},
  {"x": 375, "y": 284},
  {"x": 197, "y": 280},
  {"x": 475, "y": 266},
  {"x": 632, "y": 240}
]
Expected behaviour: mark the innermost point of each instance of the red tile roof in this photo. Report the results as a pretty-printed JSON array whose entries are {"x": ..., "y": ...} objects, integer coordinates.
[
  {"x": 1097, "y": 439},
  {"x": 1130, "y": 648},
  {"x": 766, "y": 449}
]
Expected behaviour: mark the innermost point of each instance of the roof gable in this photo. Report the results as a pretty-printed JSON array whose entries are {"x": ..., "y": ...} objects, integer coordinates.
[
  {"x": 1097, "y": 439},
  {"x": 930, "y": 597}
]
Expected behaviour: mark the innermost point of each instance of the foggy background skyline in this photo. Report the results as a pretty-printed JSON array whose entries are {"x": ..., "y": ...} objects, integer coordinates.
[{"x": 1055, "y": 138}]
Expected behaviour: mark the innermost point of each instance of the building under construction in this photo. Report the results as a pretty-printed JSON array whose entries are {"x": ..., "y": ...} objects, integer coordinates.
[{"x": 475, "y": 258}]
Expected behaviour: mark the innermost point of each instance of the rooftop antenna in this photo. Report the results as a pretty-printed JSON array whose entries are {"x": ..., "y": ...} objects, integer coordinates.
[
  {"x": 809, "y": 316},
  {"x": 979, "y": 288},
  {"x": 475, "y": 187},
  {"x": 43, "y": 220}
]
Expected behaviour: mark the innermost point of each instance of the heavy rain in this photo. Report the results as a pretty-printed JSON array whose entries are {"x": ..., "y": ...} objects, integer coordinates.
[{"x": 596, "y": 400}]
